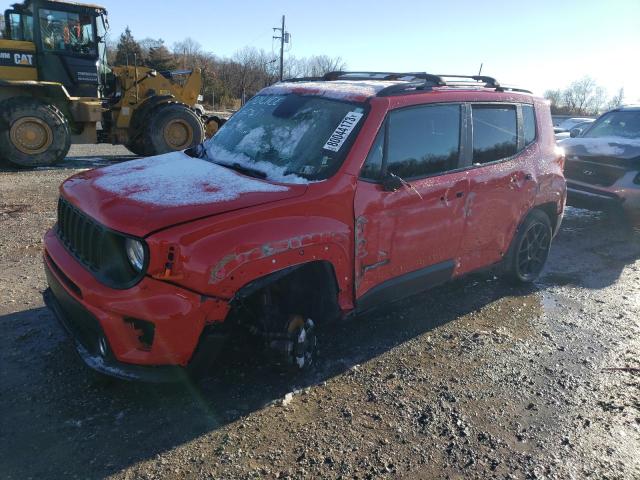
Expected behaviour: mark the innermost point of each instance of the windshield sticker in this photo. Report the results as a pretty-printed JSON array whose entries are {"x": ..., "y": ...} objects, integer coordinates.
[{"x": 340, "y": 134}]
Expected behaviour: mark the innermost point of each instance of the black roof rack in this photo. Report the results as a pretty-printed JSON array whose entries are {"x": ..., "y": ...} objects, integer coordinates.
[{"x": 413, "y": 81}]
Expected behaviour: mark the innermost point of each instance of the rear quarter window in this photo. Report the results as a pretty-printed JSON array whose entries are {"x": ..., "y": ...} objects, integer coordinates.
[
  {"x": 495, "y": 133},
  {"x": 529, "y": 121}
]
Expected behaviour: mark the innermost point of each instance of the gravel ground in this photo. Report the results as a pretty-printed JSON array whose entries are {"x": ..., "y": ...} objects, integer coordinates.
[{"x": 473, "y": 379}]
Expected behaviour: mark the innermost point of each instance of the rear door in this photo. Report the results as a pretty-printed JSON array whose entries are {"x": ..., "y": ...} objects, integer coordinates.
[
  {"x": 408, "y": 239},
  {"x": 502, "y": 181}
]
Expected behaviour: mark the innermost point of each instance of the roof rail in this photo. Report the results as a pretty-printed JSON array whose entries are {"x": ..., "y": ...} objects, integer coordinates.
[{"x": 413, "y": 81}]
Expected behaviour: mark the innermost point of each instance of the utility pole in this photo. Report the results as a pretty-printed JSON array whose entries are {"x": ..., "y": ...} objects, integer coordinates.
[{"x": 284, "y": 38}]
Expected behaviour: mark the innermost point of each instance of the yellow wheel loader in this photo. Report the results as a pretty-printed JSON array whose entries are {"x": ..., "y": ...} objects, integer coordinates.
[{"x": 56, "y": 89}]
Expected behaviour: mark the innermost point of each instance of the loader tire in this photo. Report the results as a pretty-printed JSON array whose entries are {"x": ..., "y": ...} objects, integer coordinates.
[
  {"x": 172, "y": 127},
  {"x": 137, "y": 147},
  {"x": 32, "y": 133}
]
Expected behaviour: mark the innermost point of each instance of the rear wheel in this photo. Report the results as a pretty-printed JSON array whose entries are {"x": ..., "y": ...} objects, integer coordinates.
[
  {"x": 172, "y": 127},
  {"x": 530, "y": 248},
  {"x": 32, "y": 133}
]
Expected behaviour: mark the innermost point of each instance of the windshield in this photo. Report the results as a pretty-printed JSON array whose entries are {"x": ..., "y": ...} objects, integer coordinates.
[
  {"x": 624, "y": 124},
  {"x": 68, "y": 32},
  {"x": 289, "y": 138}
]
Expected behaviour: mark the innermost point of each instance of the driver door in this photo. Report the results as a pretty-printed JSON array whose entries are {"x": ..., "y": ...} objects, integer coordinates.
[{"x": 408, "y": 239}]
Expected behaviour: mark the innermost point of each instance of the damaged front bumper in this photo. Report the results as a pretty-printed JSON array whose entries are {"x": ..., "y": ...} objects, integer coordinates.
[
  {"x": 91, "y": 344},
  {"x": 154, "y": 331}
]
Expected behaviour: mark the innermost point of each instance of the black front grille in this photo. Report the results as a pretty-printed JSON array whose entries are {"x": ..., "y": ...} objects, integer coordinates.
[
  {"x": 80, "y": 234},
  {"x": 594, "y": 173}
]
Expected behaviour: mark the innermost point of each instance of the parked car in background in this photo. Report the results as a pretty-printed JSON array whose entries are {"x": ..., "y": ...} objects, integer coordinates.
[
  {"x": 316, "y": 200},
  {"x": 603, "y": 163},
  {"x": 576, "y": 131},
  {"x": 570, "y": 123}
]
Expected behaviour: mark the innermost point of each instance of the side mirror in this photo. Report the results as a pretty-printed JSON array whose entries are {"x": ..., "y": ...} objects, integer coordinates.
[
  {"x": 391, "y": 183},
  {"x": 575, "y": 132}
]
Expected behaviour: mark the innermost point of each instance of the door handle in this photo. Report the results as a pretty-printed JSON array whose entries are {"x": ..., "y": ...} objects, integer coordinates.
[
  {"x": 459, "y": 194},
  {"x": 528, "y": 176}
]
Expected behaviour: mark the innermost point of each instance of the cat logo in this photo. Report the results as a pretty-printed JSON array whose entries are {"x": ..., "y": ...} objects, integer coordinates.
[{"x": 23, "y": 59}]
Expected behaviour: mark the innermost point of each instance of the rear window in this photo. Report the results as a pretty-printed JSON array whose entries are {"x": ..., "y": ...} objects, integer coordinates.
[{"x": 495, "y": 134}]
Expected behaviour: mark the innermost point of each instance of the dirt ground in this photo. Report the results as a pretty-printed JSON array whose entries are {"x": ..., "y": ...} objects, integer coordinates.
[{"x": 474, "y": 379}]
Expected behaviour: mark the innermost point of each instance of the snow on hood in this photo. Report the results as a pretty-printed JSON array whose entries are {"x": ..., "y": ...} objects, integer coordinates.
[
  {"x": 175, "y": 179},
  {"x": 602, "y": 146},
  {"x": 337, "y": 89}
]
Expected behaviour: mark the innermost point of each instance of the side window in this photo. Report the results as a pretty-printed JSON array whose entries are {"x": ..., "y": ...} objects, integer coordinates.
[
  {"x": 372, "y": 167},
  {"x": 529, "y": 120},
  {"x": 423, "y": 140},
  {"x": 495, "y": 134}
]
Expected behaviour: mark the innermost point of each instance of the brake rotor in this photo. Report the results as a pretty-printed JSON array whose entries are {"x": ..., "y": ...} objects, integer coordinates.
[{"x": 303, "y": 341}]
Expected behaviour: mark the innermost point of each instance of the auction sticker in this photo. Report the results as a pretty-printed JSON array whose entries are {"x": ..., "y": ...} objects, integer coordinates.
[{"x": 341, "y": 133}]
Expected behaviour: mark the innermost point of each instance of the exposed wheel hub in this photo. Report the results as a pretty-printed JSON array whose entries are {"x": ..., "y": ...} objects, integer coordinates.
[
  {"x": 303, "y": 341},
  {"x": 298, "y": 343},
  {"x": 31, "y": 135},
  {"x": 178, "y": 134}
]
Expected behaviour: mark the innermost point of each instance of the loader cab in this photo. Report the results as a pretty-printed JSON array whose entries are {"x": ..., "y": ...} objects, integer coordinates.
[{"x": 68, "y": 38}]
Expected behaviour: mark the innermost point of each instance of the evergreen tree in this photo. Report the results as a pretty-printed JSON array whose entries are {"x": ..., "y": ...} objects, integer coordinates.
[
  {"x": 160, "y": 59},
  {"x": 128, "y": 50}
]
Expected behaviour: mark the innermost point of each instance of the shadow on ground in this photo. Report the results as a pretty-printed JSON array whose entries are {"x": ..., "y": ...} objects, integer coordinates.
[{"x": 78, "y": 424}]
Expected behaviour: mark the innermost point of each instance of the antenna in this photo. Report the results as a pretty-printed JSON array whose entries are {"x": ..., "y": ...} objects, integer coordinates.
[{"x": 480, "y": 71}]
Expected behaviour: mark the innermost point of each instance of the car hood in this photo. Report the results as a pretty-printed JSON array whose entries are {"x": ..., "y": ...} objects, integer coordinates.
[
  {"x": 617, "y": 147},
  {"x": 142, "y": 196}
]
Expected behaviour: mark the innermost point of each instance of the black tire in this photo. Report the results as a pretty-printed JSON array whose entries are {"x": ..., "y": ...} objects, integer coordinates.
[
  {"x": 172, "y": 127},
  {"x": 529, "y": 249},
  {"x": 32, "y": 133},
  {"x": 137, "y": 148}
]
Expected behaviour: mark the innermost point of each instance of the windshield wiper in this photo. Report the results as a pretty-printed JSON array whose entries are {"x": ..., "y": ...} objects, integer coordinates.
[
  {"x": 252, "y": 172},
  {"x": 200, "y": 152}
]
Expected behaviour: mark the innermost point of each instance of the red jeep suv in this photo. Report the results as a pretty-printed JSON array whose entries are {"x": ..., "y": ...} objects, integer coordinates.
[{"x": 319, "y": 198}]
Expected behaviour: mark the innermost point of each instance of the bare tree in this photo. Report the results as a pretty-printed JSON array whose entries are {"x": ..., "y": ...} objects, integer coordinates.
[
  {"x": 617, "y": 100},
  {"x": 555, "y": 99},
  {"x": 584, "y": 97},
  {"x": 321, "y": 64},
  {"x": 315, "y": 66},
  {"x": 187, "y": 52}
]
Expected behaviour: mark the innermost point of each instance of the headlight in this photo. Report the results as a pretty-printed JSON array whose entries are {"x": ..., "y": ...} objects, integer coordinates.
[{"x": 135, "y": 253}]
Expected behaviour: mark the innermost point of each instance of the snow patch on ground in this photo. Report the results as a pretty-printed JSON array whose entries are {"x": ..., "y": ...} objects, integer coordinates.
[
  {"x": 175, "y": 179},
  {"x": 337, "y": 89}
]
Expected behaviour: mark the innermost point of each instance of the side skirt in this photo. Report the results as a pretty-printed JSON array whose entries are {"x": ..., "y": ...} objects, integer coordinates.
[{"x": 406, "y": 285}]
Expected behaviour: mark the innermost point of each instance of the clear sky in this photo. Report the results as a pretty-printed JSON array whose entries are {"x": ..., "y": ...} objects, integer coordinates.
[{"x": 538, "y": 44}]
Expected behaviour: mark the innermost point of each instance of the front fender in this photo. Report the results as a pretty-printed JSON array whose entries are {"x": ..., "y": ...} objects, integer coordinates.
[{"x": 219, "y": 260}]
